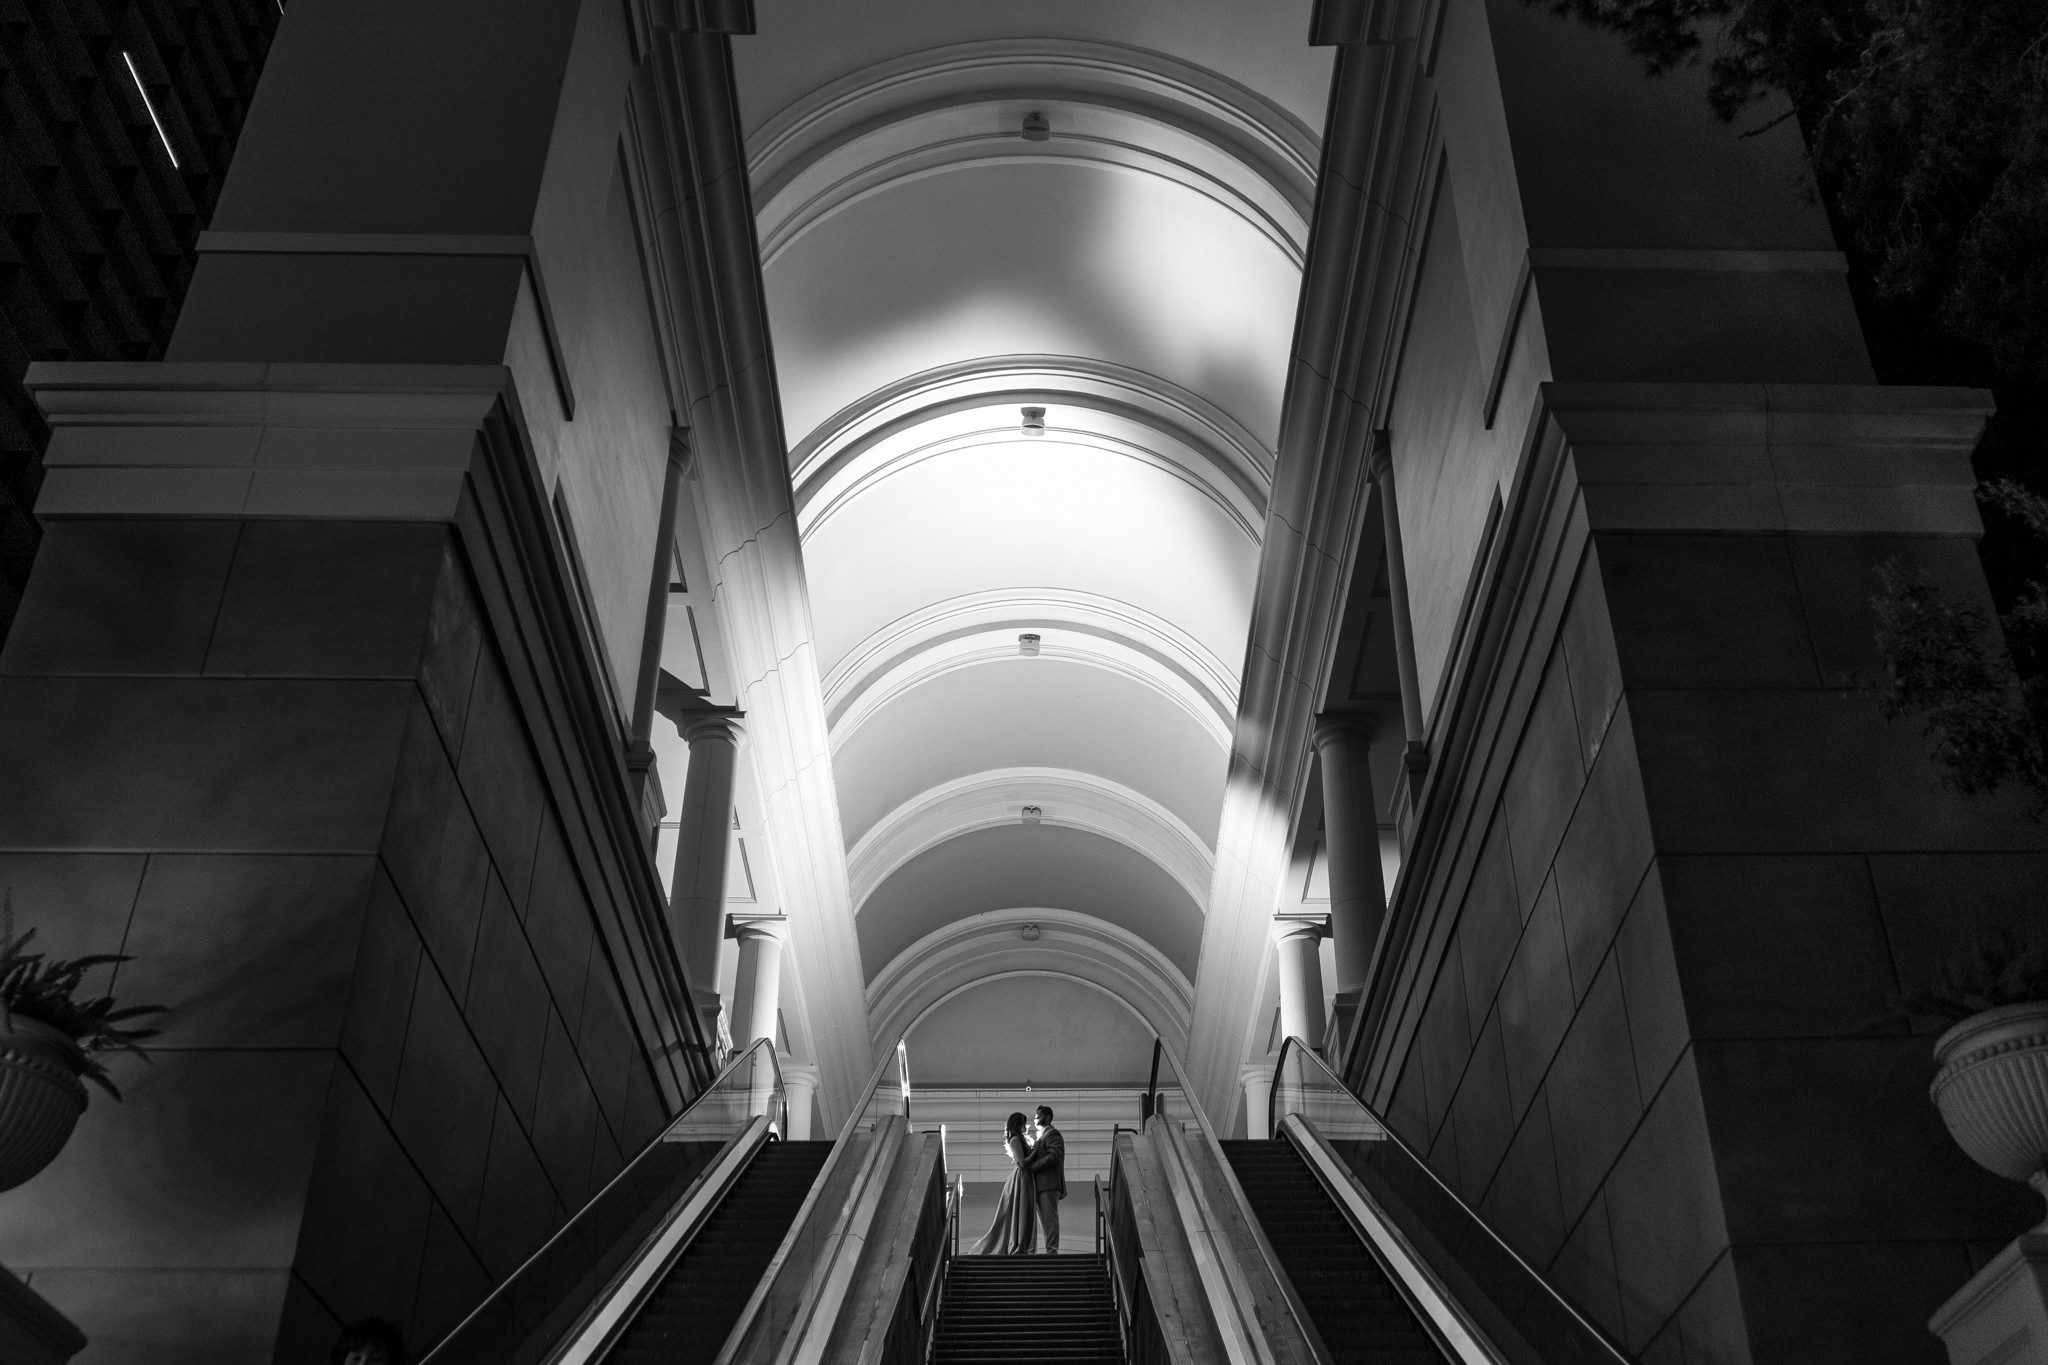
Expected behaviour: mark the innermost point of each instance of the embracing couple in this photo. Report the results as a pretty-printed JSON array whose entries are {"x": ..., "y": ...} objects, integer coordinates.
[{"x": 1032, "y": 1194}]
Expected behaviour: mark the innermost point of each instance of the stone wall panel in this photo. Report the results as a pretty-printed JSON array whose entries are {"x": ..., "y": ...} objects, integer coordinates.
[{"x": 128, "y": 597}]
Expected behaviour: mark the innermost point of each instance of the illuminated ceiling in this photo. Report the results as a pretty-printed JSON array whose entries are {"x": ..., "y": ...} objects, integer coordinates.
[{"x": 931, "y": 272}]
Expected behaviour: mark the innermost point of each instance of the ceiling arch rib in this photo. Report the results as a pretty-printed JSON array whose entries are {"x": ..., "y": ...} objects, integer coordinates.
[
  {"x": 1045, "y": 517},
  {"x": 1065, "y": 798},
  {"x": 983, "y": 628},
  {"x": 994, "y": 420},
  {"x": 957, "y": 107},
  {"x": 990, "y": 946},
  {"x": 1028, "y": 713},
  {"x": 1159, "y": 419}
]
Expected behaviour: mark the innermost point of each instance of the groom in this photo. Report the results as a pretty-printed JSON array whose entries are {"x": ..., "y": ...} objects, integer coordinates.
[{"x": 1048, "y": 1166}]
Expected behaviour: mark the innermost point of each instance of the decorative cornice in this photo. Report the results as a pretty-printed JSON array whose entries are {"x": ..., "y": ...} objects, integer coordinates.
[
  {"x": 1068, "y": 799},
  {"x": 1119, "y": 107},
  {"x": 985, "y": 947}
]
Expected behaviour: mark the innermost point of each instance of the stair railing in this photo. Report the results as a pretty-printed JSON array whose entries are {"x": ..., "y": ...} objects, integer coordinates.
[
  {"x": 640, "y": 1221},
  {"x": 1463, "y": 1278}
]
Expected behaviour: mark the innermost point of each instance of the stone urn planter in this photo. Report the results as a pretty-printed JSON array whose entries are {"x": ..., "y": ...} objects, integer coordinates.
[
  {"x": 1991, "y": 1087},
  {"x": 54, "y": 1034},
  {"x": 41, "y": 1096}
]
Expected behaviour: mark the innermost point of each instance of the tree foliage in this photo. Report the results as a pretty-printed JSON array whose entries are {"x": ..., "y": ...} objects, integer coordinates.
[
  {"x": 1928, "y": 125},
  {"x": 1982, "y": 700}
]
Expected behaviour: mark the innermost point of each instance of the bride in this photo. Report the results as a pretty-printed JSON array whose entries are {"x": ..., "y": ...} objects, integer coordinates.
[{"x": 1016, "y": 1221}]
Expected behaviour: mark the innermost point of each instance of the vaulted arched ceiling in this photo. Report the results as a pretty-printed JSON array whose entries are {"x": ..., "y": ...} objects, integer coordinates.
[{"x": 931, "y": 273}]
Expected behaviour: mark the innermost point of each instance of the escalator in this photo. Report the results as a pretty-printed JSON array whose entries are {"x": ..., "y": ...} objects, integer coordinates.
[
  {"x": 1330, "y": 1243},
  {"x": 688, "y": 1316},
  {"x": 1358, "y": 1311},
  {"x": 721, "y": 1241}
]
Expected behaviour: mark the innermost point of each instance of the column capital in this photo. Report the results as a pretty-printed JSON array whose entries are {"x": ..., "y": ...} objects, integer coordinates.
[
  {"x": 748, "y": 926},
  {"x": 1334, "y": 727},
  {"x": 721, "y": 722},
  {"x": 1379, "y": 460},
  {"x": 1298, "y": 925},
  {"x": 1256, "y": 1073}
]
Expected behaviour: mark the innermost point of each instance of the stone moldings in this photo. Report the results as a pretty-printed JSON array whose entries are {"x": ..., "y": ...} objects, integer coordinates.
[
  {"x": 1992, "y": 1090},
  {"x": 40, "y": 1098}
]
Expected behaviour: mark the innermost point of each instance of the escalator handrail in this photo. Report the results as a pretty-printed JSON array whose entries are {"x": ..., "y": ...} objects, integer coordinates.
[
  {"x": 614, "y": 1308},
  {"x": 1273, "y": 1115},
  {"x": 743, "y": 1057},
  {"x": 766, "y": 1284},
  {"x": 1234, "y": 1189}
]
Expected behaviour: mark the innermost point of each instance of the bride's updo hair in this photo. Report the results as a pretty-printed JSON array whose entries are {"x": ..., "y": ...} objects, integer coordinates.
[{"x": 1014, "y": 1128}]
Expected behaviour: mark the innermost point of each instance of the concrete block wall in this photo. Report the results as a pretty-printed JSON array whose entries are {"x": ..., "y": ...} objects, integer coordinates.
[
  {"x": 285, "y": 766},
  {"x": 1657, "y": 1048}
]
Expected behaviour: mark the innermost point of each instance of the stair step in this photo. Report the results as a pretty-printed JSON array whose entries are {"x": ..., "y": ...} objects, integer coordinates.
[{"x": 1027, "y": 1310}]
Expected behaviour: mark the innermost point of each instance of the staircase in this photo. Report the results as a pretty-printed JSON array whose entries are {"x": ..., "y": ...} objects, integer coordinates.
[
  {"x": 1027, "y": 1310},
  {"x": 688, "y": 1317},
  {"x": 1361, "y": 1316}
]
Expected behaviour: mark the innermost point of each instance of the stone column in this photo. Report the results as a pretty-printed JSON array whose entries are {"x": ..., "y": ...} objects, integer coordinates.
[
  {"x": 1301, "y": 976},
  {"x": 1257, "y": 1080},
  {"x": 757, "y": 992},
  {"x": 1358, "y": 898},
  {"x": 696, "y": 903},
  {"x": 640, "y": 753},
  {"x": 800, "y": 1088}
]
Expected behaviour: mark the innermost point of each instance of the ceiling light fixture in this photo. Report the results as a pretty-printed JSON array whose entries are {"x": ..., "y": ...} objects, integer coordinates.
[
  {"x": 1033, "y": 814},
  {"x": 1037, "y": 128},
  {"x": 1034, "y": 421},
  {"x": 1027, "y": 644},
  {"x": 1031, "y": 933}
]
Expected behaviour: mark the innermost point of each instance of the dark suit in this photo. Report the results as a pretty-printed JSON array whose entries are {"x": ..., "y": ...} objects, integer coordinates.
[{"x": 1048, "y": 1166}]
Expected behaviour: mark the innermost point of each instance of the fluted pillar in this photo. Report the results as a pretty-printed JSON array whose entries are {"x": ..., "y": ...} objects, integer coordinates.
[
  {"x": 800, "y": 1091},
  {"x": 1257, "y": 1080},
  {"x": 1301, "y": 976},
  {"x": 696, "y": 904},
  {"x": 1358, "y": 893},
  {"x": 757, "y": 989}
]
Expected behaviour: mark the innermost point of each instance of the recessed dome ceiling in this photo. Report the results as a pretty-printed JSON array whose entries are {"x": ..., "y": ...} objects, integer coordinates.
[{"x": 931, "y": 273}]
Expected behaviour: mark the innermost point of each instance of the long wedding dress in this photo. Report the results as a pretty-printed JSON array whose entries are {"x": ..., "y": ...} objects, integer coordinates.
[{"x": 1016, "y": 1222}]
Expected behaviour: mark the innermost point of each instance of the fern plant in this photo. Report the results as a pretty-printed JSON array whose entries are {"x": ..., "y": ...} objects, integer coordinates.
[
  {"x": 2001, "y": 966},
  {"x": 45, "y": 989}
]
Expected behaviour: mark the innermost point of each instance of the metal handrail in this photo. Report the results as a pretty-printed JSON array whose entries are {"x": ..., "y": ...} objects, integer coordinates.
[
  {"x": 627, "y": 1171},
  {"x": 764, "y": 1287},
  {"x": 1226, "y": 1175},
  {"x": 1273, "y": 1101}
]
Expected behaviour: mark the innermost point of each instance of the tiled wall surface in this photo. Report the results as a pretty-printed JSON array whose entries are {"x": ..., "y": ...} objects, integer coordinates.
[
  {"x": 282, "y": 765},
  {"x": 1657, "y": 1052}
]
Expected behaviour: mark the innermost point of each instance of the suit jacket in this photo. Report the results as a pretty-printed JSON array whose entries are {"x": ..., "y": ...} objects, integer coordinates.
[{"x": 1048, "y": 1164}]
